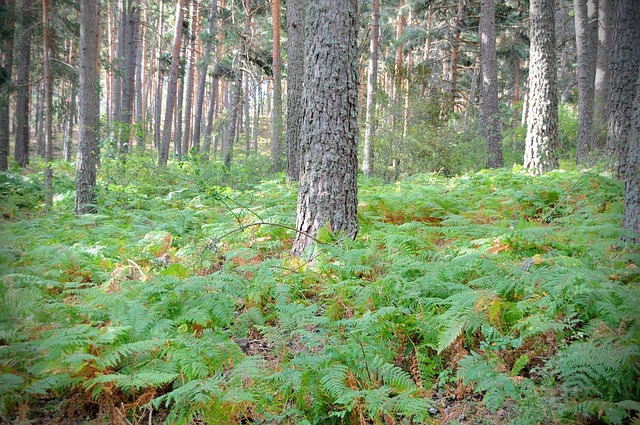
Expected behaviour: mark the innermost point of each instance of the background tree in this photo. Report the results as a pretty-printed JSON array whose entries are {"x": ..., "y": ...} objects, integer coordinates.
[
  {"x": 327, "y": 194},
  {"x": 48, "y": 105},
  {"x": 489, "y": 118},
  {"x": 89, "y": 103},
  {"x": 276, "y": 115},
  {"x": 586, "y": 46},
  {"x": 541, "y": 145},
  {"x": 602, "y": 81},
  {"x": 163, "y": 151},
  {"x": 372, "y": 84},
  {"x": 7, "y": 18}
]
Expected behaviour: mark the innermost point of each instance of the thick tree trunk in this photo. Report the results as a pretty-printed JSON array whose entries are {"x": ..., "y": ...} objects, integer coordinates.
[
  {"x": 625, "y": 61},
  {"x": 489, "y": 119},
  {"x": 631, "y": 218},
  {"x": 327, "y": 195},
  {"x": 48, "y": 105},
  {"x": 372, "y": 84},
  {"x": 586, "y": 45},
  {"x": 89, "y": 108},
  {"x": 295, "y": 82},
  {"x": 23, "y": 95},
  {"x": 602, "y": 83},
  {"x": 163, "y": 153},
  {"x": 7, "y": 18},
  {"x": 541, "y": 145},
  {"x": 276, "y": 117}
]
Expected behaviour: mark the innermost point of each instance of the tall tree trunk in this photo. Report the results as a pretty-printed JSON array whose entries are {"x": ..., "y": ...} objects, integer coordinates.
[
  {"x": 602, "y": 83},
  {"x": 586, "y": 45},
  {"x": 327, "y": 195},
  {"x": 159, "y": 89},
  {"x": 120, "y": 19},
  {"x": 70, "y": 116},
  {"x": 276, "y": 117},
  {"x": 208, "y": 132},
  {"x": 7, "y": 18},
  {"x": 372, "y": 83},
  {"x": 625, "y": 61},
  {"x": 23, "y": 95},
  {"x": 188, "y": 104},
  {"x": 489, "y": 119},
  {"x": 140, "y": 63},
  {"x": 89, "y": 108},
  {"x": 256, "y": 119},
  {"x": 163, "y": 153},
  {"x": 295, "y": 82},
  {"x": 631, "y": 218},
  {"x": 130, "y": 14},
  {"x": 204, "y": 66},
  {"x": 455, "y": 53},
  {"x": 48, "y": 104},
  {"x": 541, "y": 145}
]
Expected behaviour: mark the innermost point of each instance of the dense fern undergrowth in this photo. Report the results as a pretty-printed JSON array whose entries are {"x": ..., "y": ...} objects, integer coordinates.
[{"x": 497, "y": 297}]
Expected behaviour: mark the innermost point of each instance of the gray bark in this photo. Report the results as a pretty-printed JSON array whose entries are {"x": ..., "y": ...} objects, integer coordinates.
[
  {"x": 163, "y": 153},
  {"x": 276, "y": 115},
  {"x": 372, "y": 83},
  {"x": 47, "y": 83},
  {"x": 203, "y": 68},
  {"x": 130, "y": 13},
  {"x": 190, "y": 74},
  {"x": 327, "y": 193},
  {"x": 89, "y": 108},
  {"x": 208, "y": 132},
  {"x": 625, "y": 61},
  {"x": 541, "y": 144},
  {"x": 631, "y": 218},
  {"x": 7, "y": 17},
  {"x": 602, "y": 83},
  {"x": 489, "y": 119},
  {"x": 295, "y": 84},
  {"x": 23, "y": 95},
  {"x": 586, "y": 45},
  {"x": 226, "y": 150}
]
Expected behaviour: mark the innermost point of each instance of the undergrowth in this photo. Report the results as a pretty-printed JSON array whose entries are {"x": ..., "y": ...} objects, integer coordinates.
[{"x": 489, "y": 298}]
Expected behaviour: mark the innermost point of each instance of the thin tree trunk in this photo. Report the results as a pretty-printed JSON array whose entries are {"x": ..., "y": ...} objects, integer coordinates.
[
  {"x": 276, "y": 117},
  {"x": 163, "y": 154},
  {"x": 455, "y": 53},
  {"x": 141, "y": 59},
  {"x": 23, "y": 95},
  {"x": 208, "y": 132},
  {"x": 586, "y": 45},
  {"x": 204, "y": 67},
  {"x": 120, "y": 20},
  {"x": 232, "y": 118},
  {"x": 159, "y": 89},
  {"x": 602, "y": 78},
  {"x": 48, "y": 113},
  {"x": 89, "y": 108},
  {"x": 6, "y": 68},
  {"x": 188, "y": 106},
  {"x": 372, "y": 82},
  {"x": 489, "y": 119}
]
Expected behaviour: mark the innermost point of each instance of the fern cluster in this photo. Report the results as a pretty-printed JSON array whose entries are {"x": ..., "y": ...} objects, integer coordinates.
[{"x": 181, "y": 297}]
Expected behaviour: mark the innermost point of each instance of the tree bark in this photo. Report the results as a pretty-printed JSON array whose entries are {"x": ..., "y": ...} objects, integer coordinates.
[
  {"x": 203, "y": 68},
  {"x": 23, "y": 95},
  {"x": 602, "y": 82},
  {"x": 295, "y": 83},
  {"x": 625, "y": 61},
  {"x": 276, "y": 116},
  {"x": 372, "y": 84},
  {"x": 89, "y": 108},
  {"x": 163, "y": 154},
  {"x": 48, "y": 105},
  {"x": 586, "y": 46},
  {"x": 541, "y": 144},
  {"x": 489, "y": 119},
  {"x": 631, "y": 217},
  {"x": 190, "y": 74},
  {"x": 130, "y": 14},
  {"x": 159, "y": 88},
  {"x": 7, "y": 19},
  {"x": 327, "y": 193}
]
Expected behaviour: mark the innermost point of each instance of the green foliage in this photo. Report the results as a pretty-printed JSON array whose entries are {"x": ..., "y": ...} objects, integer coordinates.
[{"x": 177, "y": 296}]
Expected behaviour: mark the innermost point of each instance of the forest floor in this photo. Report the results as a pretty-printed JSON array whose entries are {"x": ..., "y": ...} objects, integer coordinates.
[{"x": 497, "y": 297}]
